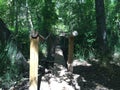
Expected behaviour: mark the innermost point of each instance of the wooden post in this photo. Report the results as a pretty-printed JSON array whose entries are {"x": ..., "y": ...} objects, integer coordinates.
[
  {"x": 33, "y": 74},
  {"x": 70, "y": 53},
  {"x": 71, "y": 50}
]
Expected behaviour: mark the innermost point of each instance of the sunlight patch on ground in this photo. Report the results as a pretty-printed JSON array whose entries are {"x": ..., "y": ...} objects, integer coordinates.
[
  {"x": 59, "y": 51},
  {"x": 53, "y": 85},
  {"x": 77, "y": 62}
]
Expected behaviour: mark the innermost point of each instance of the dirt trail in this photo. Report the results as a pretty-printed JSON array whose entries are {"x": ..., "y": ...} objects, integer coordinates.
[
  {"x": 59, "y": 79},
  {"x": 84, "y": 77}
]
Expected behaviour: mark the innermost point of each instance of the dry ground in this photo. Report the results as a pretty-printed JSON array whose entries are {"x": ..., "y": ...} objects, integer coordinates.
[{"x": 85, "y": 76}]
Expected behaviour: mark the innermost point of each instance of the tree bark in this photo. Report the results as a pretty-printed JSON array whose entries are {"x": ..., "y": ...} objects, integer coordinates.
[
  {"x": 16, "y": 16},
  {"x": 4, "y": 32},
  {"x": 29, "y": 18},
  {"x": 101, "y": 26}
]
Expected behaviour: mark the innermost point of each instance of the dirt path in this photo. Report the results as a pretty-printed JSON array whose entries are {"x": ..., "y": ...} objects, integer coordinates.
[
  {"x": 60, "y": 79},
  {"x": 84, "y": 77}
]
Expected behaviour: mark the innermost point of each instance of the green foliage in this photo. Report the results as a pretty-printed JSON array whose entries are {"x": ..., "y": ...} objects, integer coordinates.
[
  {"x": 9, "y": 71},
  {"x": 22, "y": 41},
  {"x": 83, "y": 53},
  {"x": 4, "y": 60},
  {"x": 80, "y": 16},
  {"x": 3, "y": 8},
  {"x": 49, "y": 16},
  {"x": 113, "y": 37},
  {"x": 55, "y": 16}
]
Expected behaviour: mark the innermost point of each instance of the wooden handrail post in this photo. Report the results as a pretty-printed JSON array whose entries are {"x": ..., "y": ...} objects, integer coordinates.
[
  {"x": 71, "y": 50},
  {"x": 34, "y": 59},
  {"x": 70, "y": 53}
]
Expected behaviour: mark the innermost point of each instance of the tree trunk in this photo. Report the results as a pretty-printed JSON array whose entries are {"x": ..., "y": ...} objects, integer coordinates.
[
  {"x": 16, "y": 16},
  {"x": 101, "y": 26},
  {"x": 29, "y": 18},
  {"x": 4, "y": 32},
  {"x": 103, "y": 51},
  {"x": 12, "y": 13}
]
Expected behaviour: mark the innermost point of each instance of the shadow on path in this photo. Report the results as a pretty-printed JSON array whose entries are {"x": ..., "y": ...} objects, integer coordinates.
[{"x": 95, "y": 76}]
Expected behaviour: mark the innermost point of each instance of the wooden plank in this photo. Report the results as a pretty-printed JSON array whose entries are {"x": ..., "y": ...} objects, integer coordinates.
[{"x": 34, "y": 59}]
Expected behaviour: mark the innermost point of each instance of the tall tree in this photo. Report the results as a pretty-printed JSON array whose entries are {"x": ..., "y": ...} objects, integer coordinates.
[
  {"x": 49, "y": 19},
  {"x": 101, "y": 39}
]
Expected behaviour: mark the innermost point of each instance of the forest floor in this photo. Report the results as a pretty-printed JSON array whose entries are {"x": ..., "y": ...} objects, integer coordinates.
[{"x": 85, "y": 76}]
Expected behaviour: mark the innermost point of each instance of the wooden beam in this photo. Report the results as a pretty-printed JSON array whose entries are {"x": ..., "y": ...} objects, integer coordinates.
[
  {"x": 70, "y": 36},
  {"x": 34, "y": 59},
  {"x": 70, "y": 53}
]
